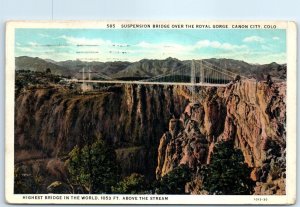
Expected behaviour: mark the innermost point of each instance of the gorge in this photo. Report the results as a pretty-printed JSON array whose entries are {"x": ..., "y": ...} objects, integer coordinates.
[{"x": 153, "y": 128}]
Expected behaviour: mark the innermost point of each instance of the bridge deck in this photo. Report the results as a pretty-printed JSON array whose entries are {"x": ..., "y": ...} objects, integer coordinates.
[{"x": 149, "y": 83}]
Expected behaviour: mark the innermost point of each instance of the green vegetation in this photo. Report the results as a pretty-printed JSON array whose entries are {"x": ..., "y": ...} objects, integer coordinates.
[
  {"x": 26, "y": 183},
  {"x": 94, "y": 167},
  {"x": 25, "y": 78},
  {"x": 174, "y": 182},
  {"x": 48, "y": 70},
  {"x": 227, "y": 174},
  {"x": 133, "y": 184}
]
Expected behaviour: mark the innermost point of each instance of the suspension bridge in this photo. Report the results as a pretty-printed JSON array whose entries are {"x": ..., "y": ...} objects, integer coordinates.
[{"x": 200, "y": 73}]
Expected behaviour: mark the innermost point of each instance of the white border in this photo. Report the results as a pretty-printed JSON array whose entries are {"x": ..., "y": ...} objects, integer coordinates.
[{"x": 290, "y": 196}]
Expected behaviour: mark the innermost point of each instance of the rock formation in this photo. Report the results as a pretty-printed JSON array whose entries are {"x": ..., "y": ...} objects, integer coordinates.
[{"x": 252, "y": 114}]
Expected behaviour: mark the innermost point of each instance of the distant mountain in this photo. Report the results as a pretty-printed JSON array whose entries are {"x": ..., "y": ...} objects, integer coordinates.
[
  {"x": 274, "y": 69},
  {"x": 69, "y": 67},
  {"x": 40, "y": 65},
  {"x": 151, "y": 68},
  {"x": 51, "y": 61},
  {"x": 251, "y": 70},
  {"x": 146, "y": 68},
  {"x": 107, "y": 68}
]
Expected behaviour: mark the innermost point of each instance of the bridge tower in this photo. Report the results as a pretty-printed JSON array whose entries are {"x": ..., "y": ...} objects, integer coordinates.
[
  {"x": 83, "y": 77},
  {"x": 193, "y": 80},
  {"x": 201, "y": 73},
  {"x": 193, "y": 73},
  {"x": 196, "y": 69},
  {"x": 86, "y": 86},
  {"x": 89, "y": 72}
]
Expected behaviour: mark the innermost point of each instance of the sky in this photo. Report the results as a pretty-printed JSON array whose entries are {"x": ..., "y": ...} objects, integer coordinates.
[{"x": 259, "y": 46}]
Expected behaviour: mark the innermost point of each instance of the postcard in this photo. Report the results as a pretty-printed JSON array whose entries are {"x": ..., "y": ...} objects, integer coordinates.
[{"x": 150, "y": 112}]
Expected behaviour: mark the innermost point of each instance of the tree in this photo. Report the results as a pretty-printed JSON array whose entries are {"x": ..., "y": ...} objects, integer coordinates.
[
  {"x": 48, "y": 70},
  {"x": 269, "y": 80},
  {"x": 133, "y": 184},
  {"x": 174, "y": 182},
  {"x": 94, "y": 167},
  {"x": 227, "y": 174},
  {"x": 237, "y": 78}
]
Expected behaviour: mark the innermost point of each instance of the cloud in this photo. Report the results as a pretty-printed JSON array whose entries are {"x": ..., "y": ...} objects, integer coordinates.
[
  {"x": 43, "y": 35},
  {"x": 33, "y": 44},
  {"x": 146, "y": 45},
  {"x": 172, "y": 47},
  {"x": 276, "y": 38},
  {"x": 219, "y": 45},
  {"x": 256, "y": 57},
  {"x": 164, "y": 46},
  {"x": 267, "y": 57},
  {"x": 84, "y": 41},
  {"x": 266, "y": 47},
  {"x": 183, "y": 51},
  {"x": 254, "y": 39},
  {"x": 71, "y": 47},
  {"x": 25, "y": 49},
  {"x": 161, "y": 50}
]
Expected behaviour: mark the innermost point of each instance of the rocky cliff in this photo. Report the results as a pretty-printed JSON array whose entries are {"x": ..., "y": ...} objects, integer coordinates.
[
  {"x": 252, "y": 114},
  {"x": 50, "y": 121}
]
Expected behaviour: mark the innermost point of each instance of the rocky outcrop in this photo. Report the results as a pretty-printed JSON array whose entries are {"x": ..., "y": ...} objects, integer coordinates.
[
  {"x": 250, "y": 113},
  {"x": 182, "y": 144}
]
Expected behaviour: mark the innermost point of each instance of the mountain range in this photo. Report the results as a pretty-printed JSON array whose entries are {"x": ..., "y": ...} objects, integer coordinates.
[{"x": 146, "y": 68}]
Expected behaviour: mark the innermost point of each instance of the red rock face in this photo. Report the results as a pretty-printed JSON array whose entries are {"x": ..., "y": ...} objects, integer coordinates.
[
  {"x": 252, "y": 114},
  {"x": 49, "y": 122}
]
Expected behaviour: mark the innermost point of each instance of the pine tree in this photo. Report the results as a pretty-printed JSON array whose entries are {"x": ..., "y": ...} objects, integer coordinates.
[
  {"x": 94, "y": 167},
  {"x": 227, "y": 174},
  {"x": 174, "y": 182},
  {"x": 133, "y": 184}
]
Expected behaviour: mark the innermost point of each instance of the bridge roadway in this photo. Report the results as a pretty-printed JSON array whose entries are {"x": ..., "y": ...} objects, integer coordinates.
[{"x": 149, "y": 83}]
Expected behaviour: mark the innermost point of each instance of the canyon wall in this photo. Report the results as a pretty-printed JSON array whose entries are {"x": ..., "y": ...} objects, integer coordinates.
[
  {"x": 49, "y": 122},
  {"x": 252, "y": 114}
]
